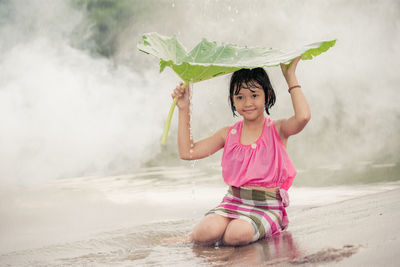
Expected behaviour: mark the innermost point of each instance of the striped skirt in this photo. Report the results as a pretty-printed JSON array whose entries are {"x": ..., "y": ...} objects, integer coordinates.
[{"x": 265, "y": 211}]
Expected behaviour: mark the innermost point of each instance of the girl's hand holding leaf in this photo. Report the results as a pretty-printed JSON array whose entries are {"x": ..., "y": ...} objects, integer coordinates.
[{"x": 289, "y": 71}]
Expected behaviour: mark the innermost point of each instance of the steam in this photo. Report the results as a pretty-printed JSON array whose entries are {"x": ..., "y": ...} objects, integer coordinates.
[{"x": 64, "y": 113}]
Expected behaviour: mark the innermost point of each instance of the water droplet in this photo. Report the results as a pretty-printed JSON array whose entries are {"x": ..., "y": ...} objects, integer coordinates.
[{"x": 190, "y": 120}]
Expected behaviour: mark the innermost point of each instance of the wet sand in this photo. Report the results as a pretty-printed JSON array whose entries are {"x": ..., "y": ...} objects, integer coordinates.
[{"x": 363, "y": 231}]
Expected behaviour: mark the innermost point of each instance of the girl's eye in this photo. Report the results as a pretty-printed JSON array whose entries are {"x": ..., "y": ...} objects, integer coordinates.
[
  {"x": 255, "y": 95},
  {"x": 239, "y": 97}
]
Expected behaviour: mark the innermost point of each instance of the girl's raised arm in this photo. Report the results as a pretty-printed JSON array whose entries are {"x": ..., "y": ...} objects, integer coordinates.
[
  {"x": 302, "y": 114},
  {"x": 188, "y": 149}
]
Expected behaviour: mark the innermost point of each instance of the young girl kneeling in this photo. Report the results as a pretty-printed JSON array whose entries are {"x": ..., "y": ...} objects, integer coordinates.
[{"x": 255, "y": 163}]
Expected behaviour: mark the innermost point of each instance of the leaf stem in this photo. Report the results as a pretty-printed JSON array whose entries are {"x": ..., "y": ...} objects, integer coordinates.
[{"x": 169, "y": 118}]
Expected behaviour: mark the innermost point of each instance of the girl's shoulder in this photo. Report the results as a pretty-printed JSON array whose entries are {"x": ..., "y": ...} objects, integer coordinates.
[
  {"x": 278, "y": 123},
  {"x": 223, "y": 132}
]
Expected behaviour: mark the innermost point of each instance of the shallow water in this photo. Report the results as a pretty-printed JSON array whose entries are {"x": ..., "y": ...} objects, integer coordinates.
[
  {"x": 140, "y": 219},
  {"x": 149, "y": 245}
]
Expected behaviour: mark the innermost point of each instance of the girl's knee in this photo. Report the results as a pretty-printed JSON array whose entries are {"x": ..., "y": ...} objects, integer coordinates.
[
  {"x": 238, "y": 233},
  {"x": 209, "y": 231},
  {"x": 204, "y": 233}
]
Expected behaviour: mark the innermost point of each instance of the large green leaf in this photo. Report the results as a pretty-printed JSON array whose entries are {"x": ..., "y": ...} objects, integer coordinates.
[{"x": 209, "y": 59}]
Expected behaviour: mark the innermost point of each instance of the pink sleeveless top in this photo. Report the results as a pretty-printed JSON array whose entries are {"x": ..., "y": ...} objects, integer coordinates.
[{"x": 263, "y": 163}]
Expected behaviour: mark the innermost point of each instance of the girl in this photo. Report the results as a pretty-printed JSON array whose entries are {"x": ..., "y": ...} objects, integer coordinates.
[{"x": 255, "y": 163}]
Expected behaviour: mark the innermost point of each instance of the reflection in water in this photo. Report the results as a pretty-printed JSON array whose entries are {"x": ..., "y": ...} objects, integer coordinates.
[{"x": 274, "y": 250}]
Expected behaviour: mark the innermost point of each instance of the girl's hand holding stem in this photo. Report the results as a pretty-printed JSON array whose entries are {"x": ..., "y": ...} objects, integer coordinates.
[
  {"x": 178, "y": 94},
  {"x": 188, "y": 149},
  {"x": 182, "y": 93}
]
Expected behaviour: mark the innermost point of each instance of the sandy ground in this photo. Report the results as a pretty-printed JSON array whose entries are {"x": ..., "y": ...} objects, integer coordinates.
[
  {"x": 360, "y": 232},
  {"x": 363, "y": 231}
]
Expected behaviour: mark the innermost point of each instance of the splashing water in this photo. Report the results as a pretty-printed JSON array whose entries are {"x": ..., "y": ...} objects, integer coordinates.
[{"x": 65, "y": 113}]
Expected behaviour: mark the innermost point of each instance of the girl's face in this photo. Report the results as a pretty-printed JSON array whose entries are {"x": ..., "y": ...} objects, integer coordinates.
[{"x": 250, "y": 101}]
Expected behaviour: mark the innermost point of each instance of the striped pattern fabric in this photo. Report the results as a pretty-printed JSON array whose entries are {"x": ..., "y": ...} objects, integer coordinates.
[{"x": 263, "y": 210}]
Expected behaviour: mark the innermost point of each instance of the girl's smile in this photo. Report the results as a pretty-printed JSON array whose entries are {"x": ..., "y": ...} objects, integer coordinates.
[{"x": 250, "y": 101}]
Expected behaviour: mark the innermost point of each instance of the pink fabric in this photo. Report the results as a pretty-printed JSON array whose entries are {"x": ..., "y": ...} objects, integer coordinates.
[
  {"x": 263, "y": 163},
  {"x": 285, "y": 197}
]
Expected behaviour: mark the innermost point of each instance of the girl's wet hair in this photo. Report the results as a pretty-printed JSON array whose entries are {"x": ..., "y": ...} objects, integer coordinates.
[{"x": 249, "y": 77}]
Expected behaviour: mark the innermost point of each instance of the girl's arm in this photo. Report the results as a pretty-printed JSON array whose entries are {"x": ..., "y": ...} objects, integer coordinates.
[
  {"x": 188, "y": 149},
  {"x": 302, "y": 114}
]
